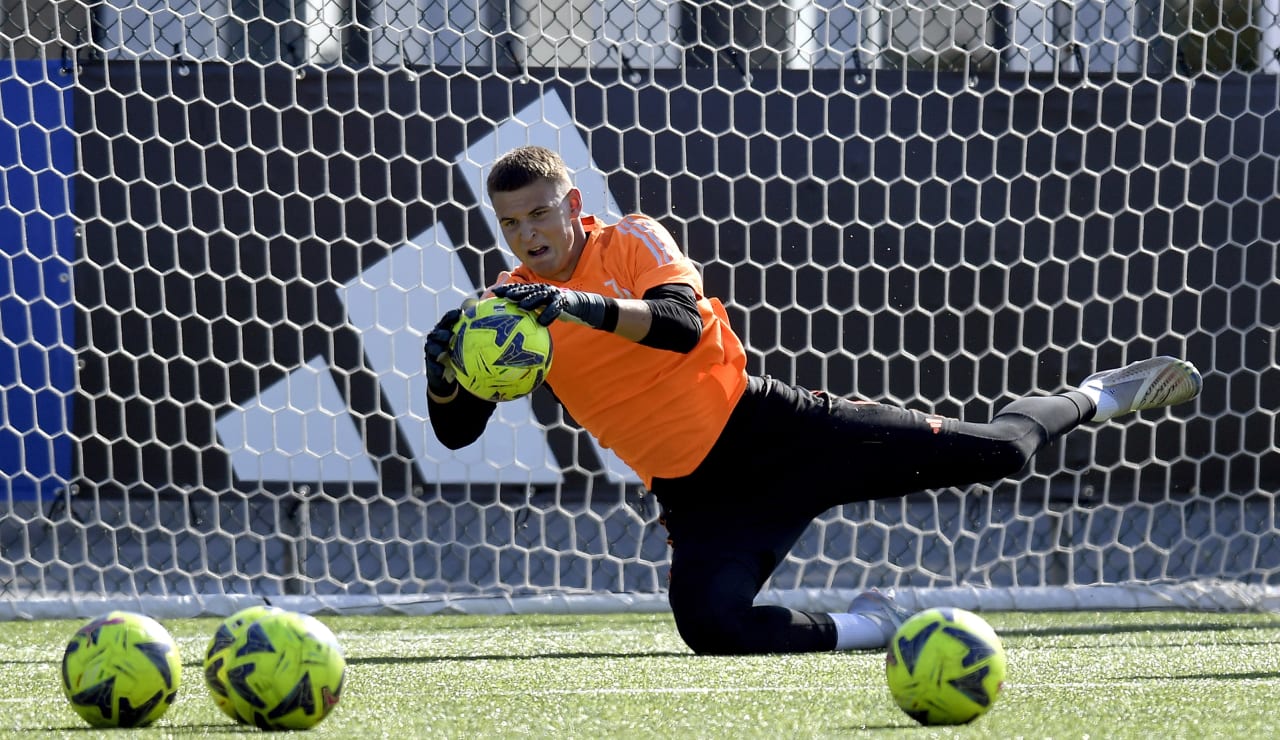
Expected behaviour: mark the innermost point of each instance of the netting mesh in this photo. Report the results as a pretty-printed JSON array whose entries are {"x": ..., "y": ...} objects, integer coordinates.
[{"x": 228, "y": 228}]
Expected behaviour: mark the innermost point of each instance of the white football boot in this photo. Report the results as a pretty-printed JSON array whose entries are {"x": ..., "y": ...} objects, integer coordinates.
[
  {"x": 878, "y": 606},
  {"x": 1146, "y": 384}
]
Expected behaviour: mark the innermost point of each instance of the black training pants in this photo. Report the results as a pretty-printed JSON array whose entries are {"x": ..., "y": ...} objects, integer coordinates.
[{"x": 786, "y": 456}]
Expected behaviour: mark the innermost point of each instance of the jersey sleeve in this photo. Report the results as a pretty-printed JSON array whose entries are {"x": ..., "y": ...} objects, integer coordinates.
[{"x": 653, "y": 257}]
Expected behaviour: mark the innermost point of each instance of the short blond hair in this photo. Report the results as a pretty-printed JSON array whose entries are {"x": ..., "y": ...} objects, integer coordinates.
[{"x": 526, "y": 165}]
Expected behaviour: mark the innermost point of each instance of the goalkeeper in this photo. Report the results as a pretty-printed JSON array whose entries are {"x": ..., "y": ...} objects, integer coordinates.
[{"x": 740, "y": 465}]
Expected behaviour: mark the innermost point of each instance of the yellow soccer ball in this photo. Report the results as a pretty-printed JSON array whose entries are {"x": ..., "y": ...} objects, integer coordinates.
[
  {"x": 945, "y": 666},
  {"x": 219, "y": 652},
  {"x": 285, "y": 672},
  {"x": 499, "y": 351},
  {"x": 121, "y": 670}
]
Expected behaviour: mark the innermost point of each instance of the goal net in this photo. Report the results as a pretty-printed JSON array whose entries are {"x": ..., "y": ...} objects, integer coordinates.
[{"x": 227, "y": 228}]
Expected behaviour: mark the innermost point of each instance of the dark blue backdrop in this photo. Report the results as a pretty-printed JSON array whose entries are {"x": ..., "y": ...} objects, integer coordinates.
[{"x": 1014, "y": 236}]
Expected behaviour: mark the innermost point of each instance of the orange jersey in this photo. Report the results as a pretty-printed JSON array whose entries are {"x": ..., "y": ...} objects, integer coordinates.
[{"x": 660, "y": 411}]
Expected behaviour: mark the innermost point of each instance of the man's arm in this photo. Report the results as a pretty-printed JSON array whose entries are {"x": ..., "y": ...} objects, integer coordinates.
[
  {"x": 665, "y": 318},
  {"x": 459, "y": 421},
  {"x": 674, "y": 322},
  {"x": 457, "y": 417}
]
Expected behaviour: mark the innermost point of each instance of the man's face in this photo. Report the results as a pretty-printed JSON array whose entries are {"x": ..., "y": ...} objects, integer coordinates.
[{"x": 540, "y": 225}]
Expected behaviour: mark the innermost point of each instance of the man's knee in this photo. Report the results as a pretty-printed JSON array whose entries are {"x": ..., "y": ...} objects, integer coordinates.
[
  {"x": 745, "y": 629},
  {"x": 714, "y": 631},
  {"x": 712, "y": 614}
]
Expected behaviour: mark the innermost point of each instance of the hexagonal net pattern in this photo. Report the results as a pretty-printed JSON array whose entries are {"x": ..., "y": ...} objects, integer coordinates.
[{"x": 227, "y": 233}]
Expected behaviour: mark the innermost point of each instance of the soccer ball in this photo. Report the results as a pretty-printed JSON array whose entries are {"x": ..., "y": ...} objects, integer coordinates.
[
  {"x": 121, "y": 670},
  {"x": 284, "y": 672},
  {"x": 215, "y": 659},
  {"x": 500, "y": 352},
  {"x": 945, "y": 666}
]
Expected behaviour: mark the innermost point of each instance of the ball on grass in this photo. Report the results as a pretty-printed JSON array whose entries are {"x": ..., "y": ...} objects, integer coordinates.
[
  {"x": 945, "y": 666},
  {"x": 121, "y": 670}
]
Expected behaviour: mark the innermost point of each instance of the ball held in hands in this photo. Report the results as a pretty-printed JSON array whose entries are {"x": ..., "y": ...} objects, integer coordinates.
[{"x": 499, "y": 352}]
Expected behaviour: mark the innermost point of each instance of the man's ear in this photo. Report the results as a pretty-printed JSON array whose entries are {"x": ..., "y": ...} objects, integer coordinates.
[{"x": 574, "y": 196}]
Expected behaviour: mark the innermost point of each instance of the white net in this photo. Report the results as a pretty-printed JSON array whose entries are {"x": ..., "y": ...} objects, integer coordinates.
[{"x": 228, "y": 227}]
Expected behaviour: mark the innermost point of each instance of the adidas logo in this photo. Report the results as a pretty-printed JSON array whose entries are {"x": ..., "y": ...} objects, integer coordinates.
[{"x": 301, "y": 431}]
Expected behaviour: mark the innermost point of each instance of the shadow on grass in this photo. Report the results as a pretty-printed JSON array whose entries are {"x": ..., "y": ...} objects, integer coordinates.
[
  {"x": 394, "y": 660},
  {"x": 169, "y": 728},
  {"x": 1254, "y": 675},
  {"x": 1103, "y": 628}
]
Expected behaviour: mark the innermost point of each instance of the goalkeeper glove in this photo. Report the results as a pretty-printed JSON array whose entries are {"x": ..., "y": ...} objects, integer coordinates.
[
  {"x": 441, "y": 380},
  {"x": 588, "y": 309}
]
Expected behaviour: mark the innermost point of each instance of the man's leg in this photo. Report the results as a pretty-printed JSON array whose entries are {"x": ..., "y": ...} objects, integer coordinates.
[
  {"x": 718, "y": 566},
  {"x": 785, "y": 457},
  {"x": 788, "y": 454},
  {"x": 719, "y": 562},
  {"x": 886, "y": 451},
  {"x": 831, "y": 451}
]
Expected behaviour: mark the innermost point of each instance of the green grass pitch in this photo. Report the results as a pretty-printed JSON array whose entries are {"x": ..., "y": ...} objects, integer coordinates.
[{"x": 1071, "y": 675}]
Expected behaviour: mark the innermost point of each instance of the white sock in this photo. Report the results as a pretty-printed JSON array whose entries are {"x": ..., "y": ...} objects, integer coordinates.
[
  {"x": 857, "y": 632},
  {"x": 1105, "y": 404}
]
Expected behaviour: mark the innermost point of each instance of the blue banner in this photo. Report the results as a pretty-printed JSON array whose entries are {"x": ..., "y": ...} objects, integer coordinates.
[{"x": 37, "y": 248}]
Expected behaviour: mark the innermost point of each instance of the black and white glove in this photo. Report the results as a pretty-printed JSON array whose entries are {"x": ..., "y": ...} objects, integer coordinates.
[
  {"x": 441, "y": 380},
  {"x": 588, "y": 309}
]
